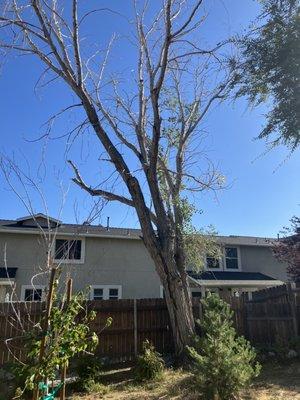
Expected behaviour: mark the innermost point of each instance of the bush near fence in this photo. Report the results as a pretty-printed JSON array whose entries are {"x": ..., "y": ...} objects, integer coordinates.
[{"x": 270, "y": 313}]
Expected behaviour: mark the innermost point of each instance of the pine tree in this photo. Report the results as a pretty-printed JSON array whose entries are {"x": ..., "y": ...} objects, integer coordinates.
[{"x": 224, "y": 363}]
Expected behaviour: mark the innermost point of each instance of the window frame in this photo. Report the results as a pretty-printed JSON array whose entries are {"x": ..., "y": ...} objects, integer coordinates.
[
  {"x": 32, "y": 287},
  {"x": 238, "y": 258},
  {"x": 106, "y": 289},
  {"x": 161, "y": 292},
  {"x": 93, "y": 293},
  {"x": 222, "y": 260},
  {"x": 65, "y": 260}
]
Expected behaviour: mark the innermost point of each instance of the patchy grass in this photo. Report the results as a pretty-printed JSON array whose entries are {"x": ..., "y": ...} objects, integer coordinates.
[{"x": 275, "y": 383}]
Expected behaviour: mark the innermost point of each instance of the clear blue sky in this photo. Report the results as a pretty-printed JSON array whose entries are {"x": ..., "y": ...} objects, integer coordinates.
[{"x": 263, "y": 189}]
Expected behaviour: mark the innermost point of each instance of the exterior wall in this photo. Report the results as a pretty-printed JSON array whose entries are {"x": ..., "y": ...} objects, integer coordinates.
[
  {"x": 118, "y": 262},
  {"x": 261, "y": 259},
  {"x": 107, "y": 262},
  {"x": 27, "y": 253},
  {"x": 112, "y": 261}
]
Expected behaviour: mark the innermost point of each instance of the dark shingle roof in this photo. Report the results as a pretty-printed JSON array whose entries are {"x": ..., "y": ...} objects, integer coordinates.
[
  {"x": 231, "y": 276},
  {"x": 90, "y": 230},
  {"x": 77, "y": 229}
]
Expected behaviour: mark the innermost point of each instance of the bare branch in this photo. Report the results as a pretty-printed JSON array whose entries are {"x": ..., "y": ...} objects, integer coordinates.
[
  {"x": 109, "y": 196},
  {"x": 76, "y": 44},
  {"x": 189, "y": 20}
]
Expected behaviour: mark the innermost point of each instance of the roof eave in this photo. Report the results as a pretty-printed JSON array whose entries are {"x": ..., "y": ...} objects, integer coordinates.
[
  {"x": 37, "y": 231},
  {"x": 236, "y": 283}
]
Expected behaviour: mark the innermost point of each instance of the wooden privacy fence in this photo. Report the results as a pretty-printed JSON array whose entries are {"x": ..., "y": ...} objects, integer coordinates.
[
  {"x": 269, "y": 314},
  {"x": 273, "y": 315}
]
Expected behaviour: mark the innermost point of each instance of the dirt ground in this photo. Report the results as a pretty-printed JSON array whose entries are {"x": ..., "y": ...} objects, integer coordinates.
[{"x": 275, "y": 383}]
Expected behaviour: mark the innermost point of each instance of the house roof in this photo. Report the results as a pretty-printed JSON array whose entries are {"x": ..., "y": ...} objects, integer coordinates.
[
  {"x": 39, "y": 215},
  {"x": 6, "y": 273},
  {"x": 125, "y": 233},
  {"x": 73, "y": 229},
  {"x": 230, "y": 276},
  {"x": 232, "y": 279}
]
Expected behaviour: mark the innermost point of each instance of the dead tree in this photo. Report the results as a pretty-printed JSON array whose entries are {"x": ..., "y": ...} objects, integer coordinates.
[{"x": 157, "y": 121}]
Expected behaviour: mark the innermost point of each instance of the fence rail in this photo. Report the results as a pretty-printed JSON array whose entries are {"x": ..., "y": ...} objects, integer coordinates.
[{"x": 270, "y": 314}]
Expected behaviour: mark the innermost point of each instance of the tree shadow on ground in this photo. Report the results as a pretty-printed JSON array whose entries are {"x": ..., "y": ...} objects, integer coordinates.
[
  {"x": 122, "y": 385},
  {"x": 280, "y": 382},
  {"x": 172, "y": 385}
]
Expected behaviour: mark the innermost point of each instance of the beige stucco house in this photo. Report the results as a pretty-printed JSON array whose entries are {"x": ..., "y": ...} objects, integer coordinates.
[{"x": 113, "y": 262}]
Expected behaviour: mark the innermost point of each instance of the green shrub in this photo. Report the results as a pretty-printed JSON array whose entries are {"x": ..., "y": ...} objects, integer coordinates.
[
  {"x": 14, "y": 381},
  {"x": 19, "y": 372},
  {"x": 224, "y": 363},
  {"x": 280, "y": 348},
  {"x": 149, "y": 365},
  {"x": 283, "y": 349},
  {"x": 294, "y": 344},
  {"x": 88, "y": 367},
  {"x": 90, "y": 386}
]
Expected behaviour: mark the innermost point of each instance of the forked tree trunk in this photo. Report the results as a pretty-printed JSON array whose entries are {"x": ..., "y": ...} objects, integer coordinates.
[
  {"x": 181, "y": 314},
  {"x": 161, "y": 244},
  {"x": 178, "y": 299}
]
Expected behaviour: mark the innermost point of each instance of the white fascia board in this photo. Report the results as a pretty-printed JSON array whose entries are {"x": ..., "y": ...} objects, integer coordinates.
[
  {"x": 239, "y": 283},
  {"x": 112, "y": 236},
  {"x": 69, "y": 234},
  {"x": 6, "y": 281}
]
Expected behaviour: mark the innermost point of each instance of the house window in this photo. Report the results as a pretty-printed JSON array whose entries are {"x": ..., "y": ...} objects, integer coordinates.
[
  {"x": 98, "y": 294},
  {"x": 231, "y": 258},
  {"x": 197, "y": 294},
  {"x": 113, "y": 294},
  {"x": 212, "y": 263},
  {"x": 69, "y": 250},
  {"x": 106, "y": 292},
  {"x": 29, "y": 293}
]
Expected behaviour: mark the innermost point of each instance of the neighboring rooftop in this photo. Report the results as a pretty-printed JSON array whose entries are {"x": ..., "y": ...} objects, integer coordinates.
[
  {"x": 37, "y": 217},
  {"x": 26, "y": 224},
  {"x": 29, "y": 224},
  {"x": 230, "y": 275}
]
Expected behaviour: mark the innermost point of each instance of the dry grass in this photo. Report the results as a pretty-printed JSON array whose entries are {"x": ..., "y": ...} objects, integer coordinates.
[{"x": 275, "y": 383}]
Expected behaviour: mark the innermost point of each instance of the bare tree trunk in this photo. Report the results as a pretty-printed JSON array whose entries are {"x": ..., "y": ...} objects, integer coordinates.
[
  {"x": 177, "y": 294},
  {"x": 181, "y": 315}
]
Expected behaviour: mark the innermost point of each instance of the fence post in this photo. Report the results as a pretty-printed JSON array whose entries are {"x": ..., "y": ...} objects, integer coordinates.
[
  {"x": 63, "y": 375},
  {"x": 292, "y": 299},
  {"x": 45, "y": 325},
  {"x": 135, "y": 327}
]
